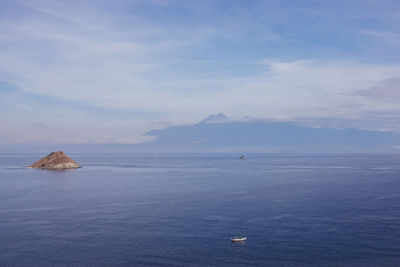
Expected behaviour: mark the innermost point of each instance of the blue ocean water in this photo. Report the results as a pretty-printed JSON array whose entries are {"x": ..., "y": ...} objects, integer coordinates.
[{"x": 182, "y": 209}]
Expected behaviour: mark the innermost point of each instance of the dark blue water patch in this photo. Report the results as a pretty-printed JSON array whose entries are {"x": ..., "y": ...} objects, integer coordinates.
[{"x": 181, "y": 210}]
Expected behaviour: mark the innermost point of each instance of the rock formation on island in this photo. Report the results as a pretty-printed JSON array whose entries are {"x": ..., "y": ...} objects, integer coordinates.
[{"x": 55, "y": 161}]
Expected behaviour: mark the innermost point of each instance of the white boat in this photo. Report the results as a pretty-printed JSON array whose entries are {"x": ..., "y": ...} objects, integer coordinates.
[
  {"x": 238, "y": 239},
  {"x": 242, "y": 157}
]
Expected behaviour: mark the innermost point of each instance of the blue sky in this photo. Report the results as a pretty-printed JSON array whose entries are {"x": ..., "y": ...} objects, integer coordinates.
[{"x": 108, "y": 71}]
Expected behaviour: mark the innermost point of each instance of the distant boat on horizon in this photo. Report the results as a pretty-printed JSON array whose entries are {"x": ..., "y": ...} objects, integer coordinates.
[{"x": 242, "y": 157}]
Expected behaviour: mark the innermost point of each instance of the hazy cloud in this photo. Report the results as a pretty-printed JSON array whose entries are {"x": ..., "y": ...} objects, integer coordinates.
[{"x": 387, "y": 90}]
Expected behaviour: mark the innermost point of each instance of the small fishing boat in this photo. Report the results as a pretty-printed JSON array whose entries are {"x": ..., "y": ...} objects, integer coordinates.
[
  {"x": 238, "y": 239},
  {"x": 242, "y": 157}
]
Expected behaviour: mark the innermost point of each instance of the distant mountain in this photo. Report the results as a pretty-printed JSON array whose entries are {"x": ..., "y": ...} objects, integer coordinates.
[
  {"x": 215, "y": 118},
  {"x": 217, "y": 133}
]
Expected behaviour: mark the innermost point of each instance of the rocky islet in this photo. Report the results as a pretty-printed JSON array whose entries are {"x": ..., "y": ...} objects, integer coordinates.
[{"x": 55, "y": 161}]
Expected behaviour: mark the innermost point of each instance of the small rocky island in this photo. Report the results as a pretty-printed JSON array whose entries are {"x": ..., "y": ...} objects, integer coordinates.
[{"x": 55, "y": 161}]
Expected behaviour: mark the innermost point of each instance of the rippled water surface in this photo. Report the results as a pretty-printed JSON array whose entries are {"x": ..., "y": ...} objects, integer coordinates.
[{"x": 181, "y": 210}]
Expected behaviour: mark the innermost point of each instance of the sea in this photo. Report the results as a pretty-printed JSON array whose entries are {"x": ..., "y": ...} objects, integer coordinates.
[{"x": 182, "y": 210}]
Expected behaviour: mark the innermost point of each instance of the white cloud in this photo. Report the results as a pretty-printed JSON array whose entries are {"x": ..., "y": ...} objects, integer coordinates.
[{"x": 310, "y": 88}]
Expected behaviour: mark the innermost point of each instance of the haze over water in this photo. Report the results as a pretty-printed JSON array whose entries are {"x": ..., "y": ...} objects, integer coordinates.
[{"x": 182, "y": 209}]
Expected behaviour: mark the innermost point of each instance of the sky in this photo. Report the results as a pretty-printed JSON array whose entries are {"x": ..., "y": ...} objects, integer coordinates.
[{"x": 79, "y": 72}]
